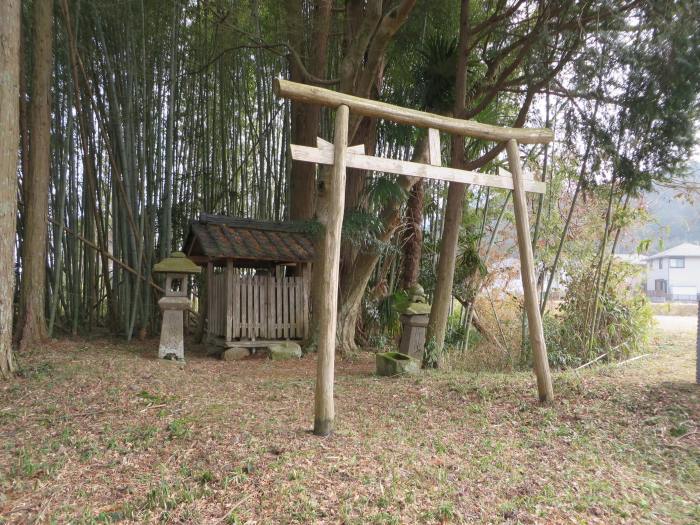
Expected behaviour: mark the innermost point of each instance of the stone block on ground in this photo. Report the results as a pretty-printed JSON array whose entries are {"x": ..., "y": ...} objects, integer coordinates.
[
  {"x": 396, "y": 363},
  {"x": 284, "y": 350},
  {"x": 235, "y": 353}
]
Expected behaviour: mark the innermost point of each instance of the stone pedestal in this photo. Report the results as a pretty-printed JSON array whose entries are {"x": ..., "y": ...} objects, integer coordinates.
[
  {"x": 172, "y": 341},
  {"x": 413, "y": 335}
]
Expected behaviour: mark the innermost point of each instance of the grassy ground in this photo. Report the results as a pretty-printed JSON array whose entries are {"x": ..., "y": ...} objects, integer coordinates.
[
  {"x": 684, "y": 309},
  {"x": 99, "y": 432}
]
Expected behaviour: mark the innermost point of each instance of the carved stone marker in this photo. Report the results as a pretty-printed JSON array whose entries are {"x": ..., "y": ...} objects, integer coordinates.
[
  {"x": 414, "y": 321},
  {"x": 177, "y": 267}
]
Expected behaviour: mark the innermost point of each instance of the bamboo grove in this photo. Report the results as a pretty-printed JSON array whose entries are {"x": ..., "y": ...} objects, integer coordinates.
[
  {"x": 147, "y": 134},
  {"x": 163, "y": 109}
]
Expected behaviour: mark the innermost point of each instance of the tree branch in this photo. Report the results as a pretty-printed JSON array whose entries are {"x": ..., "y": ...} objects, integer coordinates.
[{"x": 498, "y": 148}]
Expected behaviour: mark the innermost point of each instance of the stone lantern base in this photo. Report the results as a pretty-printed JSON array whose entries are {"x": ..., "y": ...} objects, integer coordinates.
[
  {"x": 172, "y": 341},
  {"x": 413, "y": 335}
]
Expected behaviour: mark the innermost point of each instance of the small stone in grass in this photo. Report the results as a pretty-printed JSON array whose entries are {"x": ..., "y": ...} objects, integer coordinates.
[
  {"x": 235, "y": 353},
  {"x": 285, "y": 350}
]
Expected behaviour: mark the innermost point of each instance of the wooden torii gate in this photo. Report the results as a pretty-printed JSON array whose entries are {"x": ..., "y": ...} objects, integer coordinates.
[{"x": 341, "y": 157}]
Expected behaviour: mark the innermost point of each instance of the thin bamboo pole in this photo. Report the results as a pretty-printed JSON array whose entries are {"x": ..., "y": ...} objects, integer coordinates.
[{"x": 106, "y": 254}]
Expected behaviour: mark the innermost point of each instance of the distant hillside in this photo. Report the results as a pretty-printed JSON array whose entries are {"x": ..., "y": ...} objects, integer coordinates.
[{"x": 676, "y": 217}]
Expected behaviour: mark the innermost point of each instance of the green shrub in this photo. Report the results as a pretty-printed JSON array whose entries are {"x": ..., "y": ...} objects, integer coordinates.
[{"x": 622, "y": 324}]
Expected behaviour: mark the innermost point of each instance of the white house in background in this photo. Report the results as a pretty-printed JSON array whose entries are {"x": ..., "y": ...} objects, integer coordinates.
[
  {"x": 674, "y": 274},
  {"x": 637, "y": 280}
]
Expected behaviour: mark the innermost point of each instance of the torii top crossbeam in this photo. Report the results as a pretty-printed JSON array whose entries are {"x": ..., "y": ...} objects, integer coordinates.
[
  {"x": 341, "y": 157},
  {"x": 422, "y": 119}
]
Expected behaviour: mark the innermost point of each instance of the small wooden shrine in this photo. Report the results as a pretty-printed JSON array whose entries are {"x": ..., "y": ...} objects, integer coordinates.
[{"x": 258, "y": 278}]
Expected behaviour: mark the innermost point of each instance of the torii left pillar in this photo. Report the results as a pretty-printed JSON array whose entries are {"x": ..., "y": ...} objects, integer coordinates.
[{"x": 329, "y": 268}]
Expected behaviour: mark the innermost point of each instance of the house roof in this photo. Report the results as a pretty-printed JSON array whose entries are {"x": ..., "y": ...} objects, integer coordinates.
[
  {"x": 631, "y": 258},
  {"x": 217, "y": 238},
  {"x": 685, "y": 249}
]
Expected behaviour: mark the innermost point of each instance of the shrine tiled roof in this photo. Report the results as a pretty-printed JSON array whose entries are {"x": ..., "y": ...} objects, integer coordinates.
[{"x": 220, "y": 237}]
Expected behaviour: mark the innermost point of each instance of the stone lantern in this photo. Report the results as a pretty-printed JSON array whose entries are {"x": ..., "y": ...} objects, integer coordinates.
[
  {"x": 414, "y": 321},
  {"x": 176, "y": 268}
]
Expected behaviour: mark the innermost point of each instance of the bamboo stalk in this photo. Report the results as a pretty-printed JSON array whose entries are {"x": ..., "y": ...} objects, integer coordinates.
[
  {"x": 633, "y": 359},
  {"x": 601, "y": 356},
  {"x": 106, "y": 254}
]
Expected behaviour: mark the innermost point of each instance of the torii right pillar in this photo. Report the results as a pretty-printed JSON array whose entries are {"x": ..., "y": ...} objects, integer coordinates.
[{"x": 527, "y": 273}]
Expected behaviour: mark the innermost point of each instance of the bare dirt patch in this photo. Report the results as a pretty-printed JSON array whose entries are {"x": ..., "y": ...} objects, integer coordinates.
[
  {"x": 675, "y": 324},
  {"x": 101, "y": 431}
]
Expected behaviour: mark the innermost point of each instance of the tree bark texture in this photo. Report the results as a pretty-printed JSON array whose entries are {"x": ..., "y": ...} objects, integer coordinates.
[
  {"x": 354, "y": 192},
  {"x": 437, "y": 324},
  {"x": 9, "y": 142},
  {"x": 305, "y": 118},
  {"x": 369, "y": 29},
  {"x": 412, "y": 236},
  {"x": 33, "y": 290},
  {"x": 351, "y": 298}
]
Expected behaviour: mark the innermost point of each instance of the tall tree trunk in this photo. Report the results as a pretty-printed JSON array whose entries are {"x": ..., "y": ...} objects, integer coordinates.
[
  {"x": 437, "y": 324},
  {"x": 9, "y": 142},
  {"x": 305, "y": 117},
  {"x": 23, "y": 124},
  {"x": 369, "y": 29},
  {"x": 59, "y": 215},
  {"x": 351, "y": 300},
  {"x": 355, "y": 194},
  {"x": 33, "y": 322},
  {"x": 412, "y": 237}
]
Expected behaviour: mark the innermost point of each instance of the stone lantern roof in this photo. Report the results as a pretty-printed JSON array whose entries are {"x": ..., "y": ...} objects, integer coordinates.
[{"x": 176, "y": 263}]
